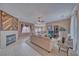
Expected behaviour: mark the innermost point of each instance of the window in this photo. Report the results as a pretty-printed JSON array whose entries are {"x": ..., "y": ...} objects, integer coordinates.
[{"x": 25, "y": 29}]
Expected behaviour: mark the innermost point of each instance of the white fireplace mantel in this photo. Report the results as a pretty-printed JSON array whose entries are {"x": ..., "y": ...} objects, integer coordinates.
[{"x": 3, "y": 35}]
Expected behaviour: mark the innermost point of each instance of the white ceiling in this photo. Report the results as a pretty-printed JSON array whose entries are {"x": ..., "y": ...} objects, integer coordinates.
[{"x": 30, "y": 11}]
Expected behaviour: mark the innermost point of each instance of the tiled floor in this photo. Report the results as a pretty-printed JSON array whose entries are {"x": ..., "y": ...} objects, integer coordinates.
[
  {"x": 43, "y": 52},
  {"x": 20, "y": 48},
  {"x": 23, "y": 48}
]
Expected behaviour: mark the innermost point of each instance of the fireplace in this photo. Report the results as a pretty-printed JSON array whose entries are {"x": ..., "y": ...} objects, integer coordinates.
[
  {"x": 7, "y": 38},
  {"x": 10, "y": 39}
]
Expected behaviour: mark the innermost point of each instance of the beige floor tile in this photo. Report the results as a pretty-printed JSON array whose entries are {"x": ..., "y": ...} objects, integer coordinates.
[{"x": 19, "y": 48}]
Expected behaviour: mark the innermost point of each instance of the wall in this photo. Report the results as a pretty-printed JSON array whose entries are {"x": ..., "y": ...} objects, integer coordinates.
[
  {"x": 8, "y": 22},
  {"x": 62, "y": 23}
]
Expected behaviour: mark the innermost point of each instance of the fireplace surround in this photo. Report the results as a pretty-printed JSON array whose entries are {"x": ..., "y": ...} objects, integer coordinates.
[{"x": 7, "y": 38}]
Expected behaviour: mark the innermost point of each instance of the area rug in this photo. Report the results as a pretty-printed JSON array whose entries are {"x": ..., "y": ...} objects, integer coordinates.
[{"x": 43, "y": 52}]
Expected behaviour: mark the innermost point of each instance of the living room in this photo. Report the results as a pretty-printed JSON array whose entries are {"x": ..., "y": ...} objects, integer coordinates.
[{"x": 46, "y": 29}]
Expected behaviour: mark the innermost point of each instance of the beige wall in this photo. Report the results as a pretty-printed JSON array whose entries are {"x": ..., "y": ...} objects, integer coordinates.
[{"x": 62, "y": 23}]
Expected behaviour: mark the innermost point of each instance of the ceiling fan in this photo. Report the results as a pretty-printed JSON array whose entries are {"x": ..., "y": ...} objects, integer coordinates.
[{"x": 39, "y": 19}]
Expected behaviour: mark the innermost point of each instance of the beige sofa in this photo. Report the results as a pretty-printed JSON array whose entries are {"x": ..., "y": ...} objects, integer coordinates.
[{"x": 42, "y": 42}]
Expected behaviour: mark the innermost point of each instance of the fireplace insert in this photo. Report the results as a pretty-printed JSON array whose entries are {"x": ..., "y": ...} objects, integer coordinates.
[{"x": 10, "y": 39}]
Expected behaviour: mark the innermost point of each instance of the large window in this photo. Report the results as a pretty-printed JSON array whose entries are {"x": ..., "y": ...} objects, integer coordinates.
[
  {"x": 39, "y": 29},
  {"x": 25, "y": 29}
]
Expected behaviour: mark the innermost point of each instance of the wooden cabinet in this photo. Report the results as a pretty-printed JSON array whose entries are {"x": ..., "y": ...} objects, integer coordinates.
[{"x": 8, "y": 22}]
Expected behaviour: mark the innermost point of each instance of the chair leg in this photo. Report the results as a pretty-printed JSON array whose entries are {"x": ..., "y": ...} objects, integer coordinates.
[
  {"x": 67, "y": 51},
  {"x": 59, "y": 49}
]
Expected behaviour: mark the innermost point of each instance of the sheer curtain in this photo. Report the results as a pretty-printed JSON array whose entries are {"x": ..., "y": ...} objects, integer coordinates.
[
  {"x": 78, "y": 33},
  {"x": 73, "y": 31},
  {"x": 25, "y": 29}
]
